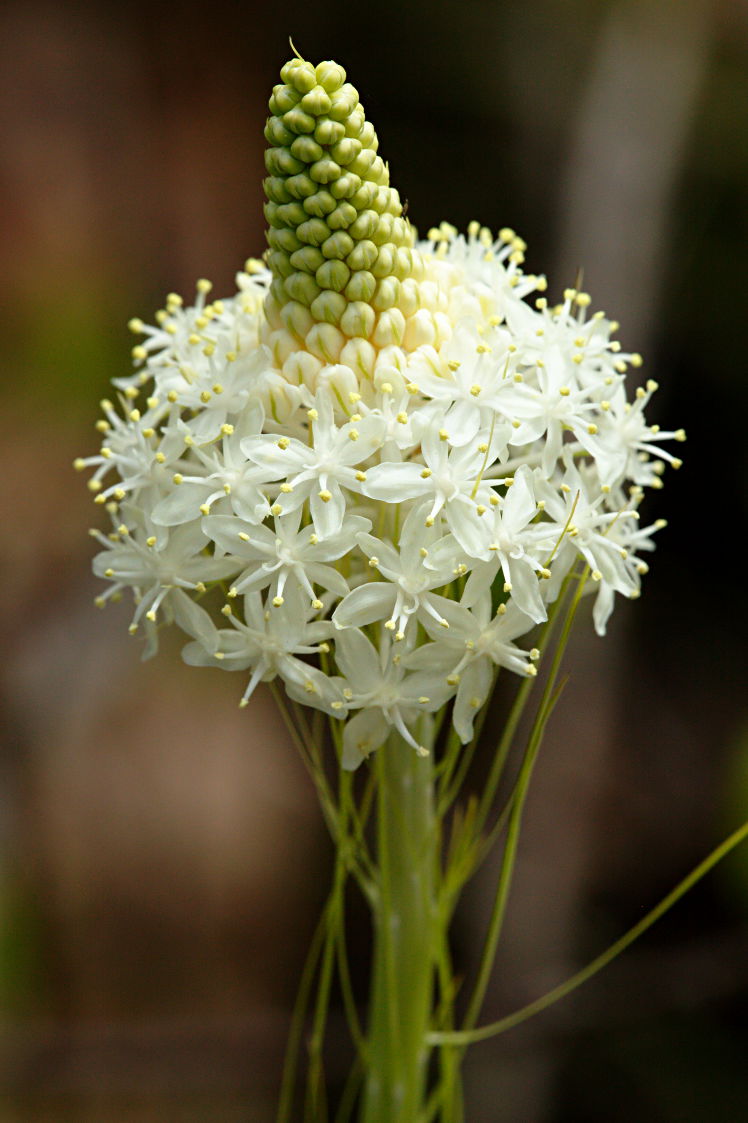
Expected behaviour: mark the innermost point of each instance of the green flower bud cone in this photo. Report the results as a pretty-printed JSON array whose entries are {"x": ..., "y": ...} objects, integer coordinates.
[{"x": 340, "y": 250}]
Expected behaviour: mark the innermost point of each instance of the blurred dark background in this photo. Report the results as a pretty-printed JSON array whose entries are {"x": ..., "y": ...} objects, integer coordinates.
[{"x": 161, "y": 855}]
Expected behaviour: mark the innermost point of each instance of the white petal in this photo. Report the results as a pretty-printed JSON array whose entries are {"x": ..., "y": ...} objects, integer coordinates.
[{"x": 366, "y": 604}]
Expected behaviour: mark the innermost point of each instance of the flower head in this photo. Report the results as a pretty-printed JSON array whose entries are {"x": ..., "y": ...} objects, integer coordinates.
[{"x": 381, "y": 456}]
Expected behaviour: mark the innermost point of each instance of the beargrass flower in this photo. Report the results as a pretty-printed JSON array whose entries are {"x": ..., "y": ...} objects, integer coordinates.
[{"x": 377, "y": 425}]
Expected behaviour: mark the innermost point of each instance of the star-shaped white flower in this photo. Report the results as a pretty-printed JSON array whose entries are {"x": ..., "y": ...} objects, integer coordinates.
[
  {"x": 423, "y": 562},
  {"x": 386, "y": 696},
  {"x": 320, "y": 470}
]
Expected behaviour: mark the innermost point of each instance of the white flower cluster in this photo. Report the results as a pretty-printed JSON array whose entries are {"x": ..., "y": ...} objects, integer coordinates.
[
  {"x": 364, "y": 517},
  {"x": 370, "y": 470}
]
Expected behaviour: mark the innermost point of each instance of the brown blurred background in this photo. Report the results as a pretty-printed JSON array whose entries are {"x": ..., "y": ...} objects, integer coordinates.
[{"x": 161, "y": 855}]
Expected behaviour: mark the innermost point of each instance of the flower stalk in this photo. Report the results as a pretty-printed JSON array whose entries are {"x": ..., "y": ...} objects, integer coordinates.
[{"x": 402, "y": 989}]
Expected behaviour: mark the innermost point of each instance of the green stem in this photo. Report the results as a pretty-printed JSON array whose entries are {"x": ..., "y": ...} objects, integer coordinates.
[
  {"x": 469, "y": 1037},
  {"x": 404, "y": 938}
]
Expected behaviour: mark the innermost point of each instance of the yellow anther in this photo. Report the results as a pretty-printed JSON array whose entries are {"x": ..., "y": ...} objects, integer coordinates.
[
  {"x": 425, "y": 473},
  {"x": 276, "y": 510},
  {"x": 402, "y": 417},
  {"x": 592, "y": 429},
  {"x": 373, "y": 562},
  {"x": 443, "y": 435},
  {"x": 353, "y": 435},
  {"x": 177, "y": 478},
  {"x": 325, "y": 495},
  {"x": 160, "y": 458},
  {"x": 475, "y": 390},
  {"x": 227, "y": 610},
  {"x": 277, "y": 601},
  {"x": 361, "y": 477},
  {"x": 205, "y": 508}
]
